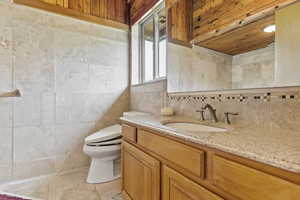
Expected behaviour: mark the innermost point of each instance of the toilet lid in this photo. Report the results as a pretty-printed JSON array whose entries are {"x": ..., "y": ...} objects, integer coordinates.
[{"x": 109, "y": 133}]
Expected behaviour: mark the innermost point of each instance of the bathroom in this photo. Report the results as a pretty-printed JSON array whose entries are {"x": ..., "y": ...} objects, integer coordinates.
[{"x": 205, "y": 94}]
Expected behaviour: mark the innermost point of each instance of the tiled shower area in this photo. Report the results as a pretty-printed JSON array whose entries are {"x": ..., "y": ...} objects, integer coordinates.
[{"x": 73, "y": 79}]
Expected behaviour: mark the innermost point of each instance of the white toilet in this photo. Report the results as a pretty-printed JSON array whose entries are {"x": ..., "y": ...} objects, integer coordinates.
[{"x": 104, "y": 148}]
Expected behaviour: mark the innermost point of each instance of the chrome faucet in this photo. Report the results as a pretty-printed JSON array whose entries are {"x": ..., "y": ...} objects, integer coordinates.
[{"x": 212, "y": 112}]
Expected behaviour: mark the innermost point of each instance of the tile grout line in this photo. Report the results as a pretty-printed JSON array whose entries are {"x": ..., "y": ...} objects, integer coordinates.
[{"x": 13, "y": 102}]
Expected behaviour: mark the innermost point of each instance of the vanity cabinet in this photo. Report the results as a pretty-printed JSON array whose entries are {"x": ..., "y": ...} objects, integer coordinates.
[
  {"x": 247, "y": 183},
  {"x": 177, "y": 187},
  {"x": 141, "y": 174},
  {"x": 156, "y": 166}
]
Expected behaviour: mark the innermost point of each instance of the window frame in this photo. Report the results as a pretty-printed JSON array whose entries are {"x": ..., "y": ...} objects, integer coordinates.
[{"x": 152, "y": 16}]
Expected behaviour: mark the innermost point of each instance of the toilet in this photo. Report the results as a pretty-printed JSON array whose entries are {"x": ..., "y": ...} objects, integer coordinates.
[{"x": 104, "y": 148}]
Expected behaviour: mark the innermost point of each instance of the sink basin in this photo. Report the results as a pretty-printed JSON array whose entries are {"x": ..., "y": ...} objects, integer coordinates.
[{"x": 194, "y": 127}]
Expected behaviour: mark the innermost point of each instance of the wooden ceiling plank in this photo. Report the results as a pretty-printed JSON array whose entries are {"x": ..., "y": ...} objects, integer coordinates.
[
  {"x": 216, "y": 17},
  {"x": 72, "y": 13},
  {"x": 87, "y": 7},
  {"x": 95, "y": 7},
  {"x": 243, "y": 39}
]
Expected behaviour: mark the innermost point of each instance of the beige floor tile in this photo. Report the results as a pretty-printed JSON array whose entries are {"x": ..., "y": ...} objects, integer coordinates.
[{"x": 66, "y": 186}]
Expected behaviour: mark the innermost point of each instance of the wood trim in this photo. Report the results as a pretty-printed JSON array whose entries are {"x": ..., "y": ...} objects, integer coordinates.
[
  {"x": 125, "y": 196},
  {"x": 129, "y": 133},
  {"x": 72, "y": 13},
  {"x": 143, "y": 11}
]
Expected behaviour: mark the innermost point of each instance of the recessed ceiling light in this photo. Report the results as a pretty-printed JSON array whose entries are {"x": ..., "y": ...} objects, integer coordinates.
[{"x": 270, "y": 28}]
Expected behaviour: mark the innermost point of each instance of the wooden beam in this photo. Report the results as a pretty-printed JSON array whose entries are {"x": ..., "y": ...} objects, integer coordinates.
[{"x": 72, "y": 13}]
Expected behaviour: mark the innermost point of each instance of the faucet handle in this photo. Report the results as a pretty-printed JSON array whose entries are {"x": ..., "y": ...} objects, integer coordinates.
[
  {"x": 231, "y": 113},
  {"x": 227, "y": 118},
  {"x": 202, "y": 114}
]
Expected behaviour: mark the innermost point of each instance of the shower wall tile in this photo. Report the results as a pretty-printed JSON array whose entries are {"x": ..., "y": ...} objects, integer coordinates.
[
  {"x": 72, "y": 68},
  {"x": 106, "y": 67},
  {"x": 48, "y": 104},
  {"x": 27, "y": 111},
  {"x": 108, "y": 33},
  {"x": 70, "y": 107},
  {"x": 33, "y": 55},
  {"x": 33, "y": 143},
  {"x": 5, "y": 147},
  {"x": 6, "y": 154},
  {"x": 6, "y": 113},
  {"x": 63, "y": 134},
  {"x": 25, "y": 170}
]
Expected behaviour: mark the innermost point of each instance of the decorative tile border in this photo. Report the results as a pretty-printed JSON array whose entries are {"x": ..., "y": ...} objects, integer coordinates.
[{"x": 236, "y": 97}]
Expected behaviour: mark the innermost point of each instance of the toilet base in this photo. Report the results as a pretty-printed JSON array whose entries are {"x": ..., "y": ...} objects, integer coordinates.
[{"x": 101, "y": 171}]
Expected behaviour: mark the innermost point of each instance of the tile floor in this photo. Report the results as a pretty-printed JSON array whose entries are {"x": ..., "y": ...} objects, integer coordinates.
[{"x": 65, "y": 186}]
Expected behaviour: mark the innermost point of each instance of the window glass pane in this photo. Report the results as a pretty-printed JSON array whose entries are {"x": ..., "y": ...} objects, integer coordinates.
[
  {"x": 162, "y": 46},
  {"x": 135, "y": 71},
  {"x": 162, "y": 58},
  {"x": 148, "y": 39}
]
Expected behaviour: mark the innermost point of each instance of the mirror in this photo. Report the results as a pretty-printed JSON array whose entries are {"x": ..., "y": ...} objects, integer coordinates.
[{"x": 249, "y": 56}]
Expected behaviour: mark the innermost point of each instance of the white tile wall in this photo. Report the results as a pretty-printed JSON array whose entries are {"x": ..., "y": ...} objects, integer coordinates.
[{"x": 73, "y": 77}]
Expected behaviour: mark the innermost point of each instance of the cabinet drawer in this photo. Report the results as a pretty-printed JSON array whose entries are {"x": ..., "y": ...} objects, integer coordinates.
[
  {"x": 247, "y": 183},
  {"x": 176, "y": 186},
  {"x": 183, "y": 156},
  {"x": 129, "y": 133}
]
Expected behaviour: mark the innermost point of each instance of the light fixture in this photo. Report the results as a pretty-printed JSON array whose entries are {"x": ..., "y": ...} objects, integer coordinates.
[{"x": 270, "y": 28}]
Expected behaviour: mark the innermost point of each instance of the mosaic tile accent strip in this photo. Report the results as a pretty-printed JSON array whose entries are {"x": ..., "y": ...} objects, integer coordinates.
[{"x": 253, "y": 97}]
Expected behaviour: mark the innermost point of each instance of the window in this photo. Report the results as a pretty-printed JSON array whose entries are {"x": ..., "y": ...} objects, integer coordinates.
[{"x": 152, "y": 46}]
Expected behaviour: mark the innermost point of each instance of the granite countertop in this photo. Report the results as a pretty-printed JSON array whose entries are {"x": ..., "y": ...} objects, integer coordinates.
[{"x": 276, "y": 147}]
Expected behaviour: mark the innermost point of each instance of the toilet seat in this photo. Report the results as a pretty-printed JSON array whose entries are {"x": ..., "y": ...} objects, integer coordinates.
[
  {"x": 101, "y": 148},
  {"x": 106, "y": 143},
  {"x": 106, "y": 135}
]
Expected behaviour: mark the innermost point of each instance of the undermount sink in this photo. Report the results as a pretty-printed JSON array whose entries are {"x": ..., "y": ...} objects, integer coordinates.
[{"x": 193, "y": 127}]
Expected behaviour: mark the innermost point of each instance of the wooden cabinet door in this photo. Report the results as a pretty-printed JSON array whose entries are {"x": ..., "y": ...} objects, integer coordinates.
[
  {"x": 178, "y": 187},
  {"x": 247, "y": 183},
  {"x": 179, "y": 22},
  {"x": 141, "y": 174}
]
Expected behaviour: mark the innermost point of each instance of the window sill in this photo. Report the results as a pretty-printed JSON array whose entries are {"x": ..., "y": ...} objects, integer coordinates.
[{"x": 150, "y": 82}]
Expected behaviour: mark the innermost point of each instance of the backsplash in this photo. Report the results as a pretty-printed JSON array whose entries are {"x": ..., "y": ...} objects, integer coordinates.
[
  {"x": 271, "y": 108},
  {"x": 149, "y": 97}
]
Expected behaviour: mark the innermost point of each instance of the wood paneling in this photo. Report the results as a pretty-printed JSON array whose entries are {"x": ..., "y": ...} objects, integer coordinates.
[
  {"x": 177, "y": 187},
  {"x": 247, "y": 38},
  {"x": 141, "y": 174},
  {"x": 249, "y": 184},
  {"x": 212, "y": 16},
  {"x": 234, "y": 26},
  {"x": 105, "y": 12},
  {"x": 186, "y": 157},
  {"x": 138, "y": 8},
  {"x": 180, "y": 22}
]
